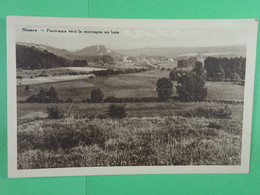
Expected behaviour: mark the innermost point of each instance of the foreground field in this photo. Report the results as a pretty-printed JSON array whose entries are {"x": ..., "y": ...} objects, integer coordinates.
[
  {"x": 128, "y": 142},
  {"x": 28, "y": 111}
]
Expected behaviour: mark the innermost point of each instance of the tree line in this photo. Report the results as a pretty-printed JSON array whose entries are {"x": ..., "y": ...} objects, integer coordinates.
[{"x": 219, "y": 69}]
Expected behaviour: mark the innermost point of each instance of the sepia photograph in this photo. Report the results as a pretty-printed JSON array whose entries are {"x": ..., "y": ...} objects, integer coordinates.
[{"x": 129, "y": 96}]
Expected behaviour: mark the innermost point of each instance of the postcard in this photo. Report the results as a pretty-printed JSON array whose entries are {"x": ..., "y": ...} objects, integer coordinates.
[{"x": 129, "y": 96}]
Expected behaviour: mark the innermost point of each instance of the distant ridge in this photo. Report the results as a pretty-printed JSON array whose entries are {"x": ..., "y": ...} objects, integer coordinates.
[
  {"x": 172, "y": 52},
  {"x": 95, "y": 50},
  {"x": 225, "y": 51}
]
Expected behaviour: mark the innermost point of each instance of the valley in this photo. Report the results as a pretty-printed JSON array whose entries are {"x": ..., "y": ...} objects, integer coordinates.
[{"x": 60, "y": 124}]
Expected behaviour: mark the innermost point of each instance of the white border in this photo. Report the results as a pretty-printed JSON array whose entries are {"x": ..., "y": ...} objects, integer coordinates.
[{"x": 13, "y": 21}]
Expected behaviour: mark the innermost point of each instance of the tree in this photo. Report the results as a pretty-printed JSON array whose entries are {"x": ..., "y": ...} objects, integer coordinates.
[
  {"x": 227, "y": 65},
  {"x": 199, "y": 70},
  {"x": 190, "y": 87},
  {"x": 214, "y": 69},
  {"x": 164, "y": 88},
  {"x": 173, "y": 75},
  {"x": 96, "y": 95},
  {"x": 239, "y": 65}
]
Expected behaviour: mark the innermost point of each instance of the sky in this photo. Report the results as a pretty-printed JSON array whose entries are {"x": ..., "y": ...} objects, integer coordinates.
[{"x": 131, "y": 38}]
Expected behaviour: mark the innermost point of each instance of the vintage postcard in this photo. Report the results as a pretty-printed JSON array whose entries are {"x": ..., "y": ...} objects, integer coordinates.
[{"x": 129, "y": 96}]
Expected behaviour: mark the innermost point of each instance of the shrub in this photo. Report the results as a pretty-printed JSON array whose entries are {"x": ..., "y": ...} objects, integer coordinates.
[
  {"x": 54, "y": 113},
  {"x": 224, "y": 112},
  {"x": 52, "y": 95},
  {"x": 116, "y": 111},
  {"x": 27, "y": 88},
  {"x": 235, "y": 77},
  {"x": 214, "y": 125},
  {"x": 96, "y": 95},
  {"x": 44, "y": 96},
  {"x": 221, "y": 113},
  {"x": 95, "y": 135}
]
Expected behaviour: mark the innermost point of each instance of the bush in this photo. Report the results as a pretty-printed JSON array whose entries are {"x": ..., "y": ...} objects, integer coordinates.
[
  {"x": 96, "y": 95},
  {"x": 221, "y": 113},
  {"x": 235, "y": 77},
  {"x": 27, "y": 88},
  {"x": 214, "y": 125},
  {"x": 95, "y": 135},
  {"x": 224, "y": 112},
  {"x": 44, "y": 96},
  {"x": 52, "y": 95},
  {"x": 116, "y": 111},
  {"x": 54, "y": 113}
]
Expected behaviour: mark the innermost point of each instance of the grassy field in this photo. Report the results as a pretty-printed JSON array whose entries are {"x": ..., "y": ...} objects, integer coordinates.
[
  {"x": 128, "y": 142},
  {"x": 127, "y": 85},
  {"x": 152, "y": 109}
]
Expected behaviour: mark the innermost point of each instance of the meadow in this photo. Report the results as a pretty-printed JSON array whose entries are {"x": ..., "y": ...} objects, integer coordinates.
[
  {"x": 153, "y": 133},
  {"x": 149, "y": 109},
  {"x": 128, "y": 142},
  {"x": 127, "y": 85}
]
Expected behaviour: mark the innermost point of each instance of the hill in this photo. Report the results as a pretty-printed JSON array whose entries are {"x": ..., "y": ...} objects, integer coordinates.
[
  {"x": 31, "y": 57},
  {"x": 97, "y": 50},
  {"x": 91, "y": 51}
]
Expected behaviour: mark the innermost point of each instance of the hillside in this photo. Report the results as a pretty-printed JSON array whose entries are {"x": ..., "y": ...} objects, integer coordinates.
[
  {"x": 31, "y": 57},
  {"x": 91, "y": 51},
  {"x": 97, "y": 50}
]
